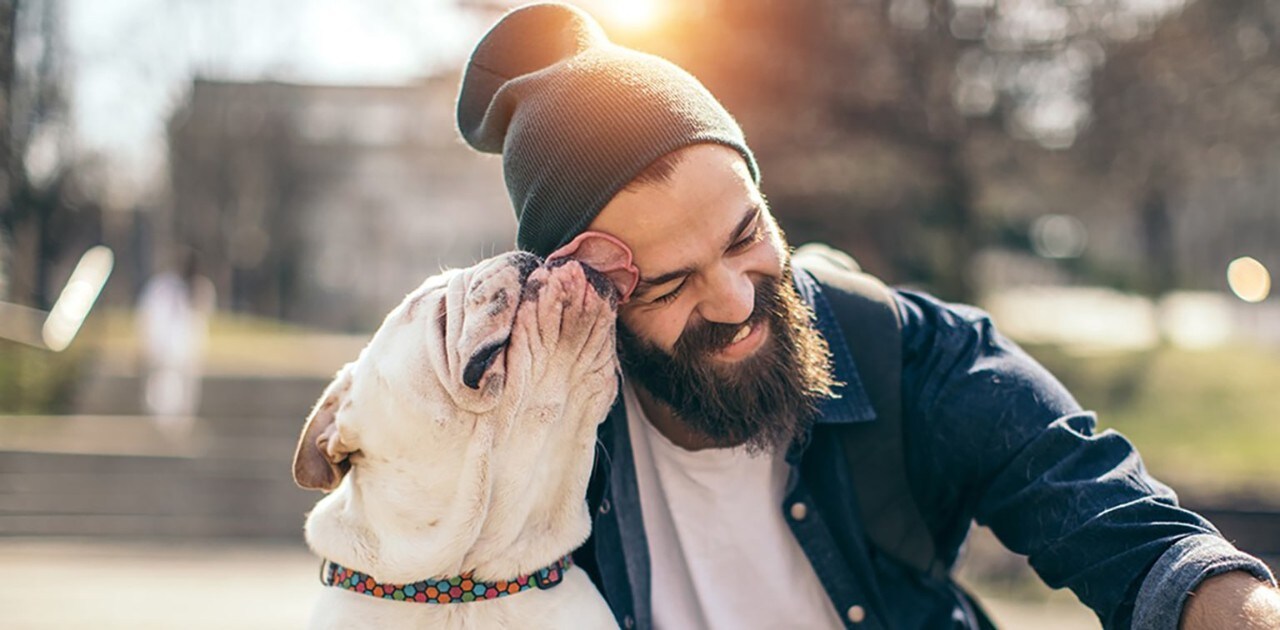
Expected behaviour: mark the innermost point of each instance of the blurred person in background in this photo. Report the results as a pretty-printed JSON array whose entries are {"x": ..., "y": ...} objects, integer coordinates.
[
  {"x": 173, "y": 326},
  {"x": 724, "y": 497}
]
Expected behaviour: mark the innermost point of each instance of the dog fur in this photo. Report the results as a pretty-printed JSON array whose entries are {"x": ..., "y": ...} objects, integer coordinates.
[{"x": 461, "y": 440}]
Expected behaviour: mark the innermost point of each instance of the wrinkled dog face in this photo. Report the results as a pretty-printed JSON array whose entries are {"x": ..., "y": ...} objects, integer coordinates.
[{"x": 508, "y": 352}]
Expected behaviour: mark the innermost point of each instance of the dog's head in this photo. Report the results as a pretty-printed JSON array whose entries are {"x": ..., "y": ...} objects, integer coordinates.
[{"x": 508, "y": 350}]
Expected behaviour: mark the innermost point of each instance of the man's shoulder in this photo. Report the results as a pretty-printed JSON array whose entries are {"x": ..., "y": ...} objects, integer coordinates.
[{"x": 838, "y": 281}]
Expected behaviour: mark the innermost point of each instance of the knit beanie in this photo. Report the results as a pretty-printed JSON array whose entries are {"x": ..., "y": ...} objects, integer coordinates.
[{"x": 577, "y": 117}]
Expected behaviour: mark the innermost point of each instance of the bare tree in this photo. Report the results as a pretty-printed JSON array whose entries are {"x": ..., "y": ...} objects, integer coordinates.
[
  {"x": 875, "y": 119},
  {"x": 45, "y": 220},
  {"x": 1185, "y": 128},
  {"x": 8, "y": 20}
]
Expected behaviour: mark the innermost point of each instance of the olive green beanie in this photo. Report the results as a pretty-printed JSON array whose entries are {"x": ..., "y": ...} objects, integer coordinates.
[{"x": 577, "y": 117}]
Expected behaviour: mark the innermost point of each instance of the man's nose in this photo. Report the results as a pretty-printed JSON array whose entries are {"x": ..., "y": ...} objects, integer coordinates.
[{"x": 730, "y": 297}]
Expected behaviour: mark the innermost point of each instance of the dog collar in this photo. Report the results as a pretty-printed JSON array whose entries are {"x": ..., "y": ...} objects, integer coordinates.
[{"x": 451, "y": 590}]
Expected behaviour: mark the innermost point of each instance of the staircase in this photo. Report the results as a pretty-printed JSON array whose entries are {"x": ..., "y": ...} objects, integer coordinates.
[{"x": 110, "y": 472}]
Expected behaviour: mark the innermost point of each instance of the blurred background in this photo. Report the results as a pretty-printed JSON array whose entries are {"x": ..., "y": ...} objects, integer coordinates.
[{"x": 207, "y": 205}]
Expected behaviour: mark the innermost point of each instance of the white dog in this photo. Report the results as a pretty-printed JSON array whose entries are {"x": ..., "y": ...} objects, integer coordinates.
[{"x": 458, "y": 448}]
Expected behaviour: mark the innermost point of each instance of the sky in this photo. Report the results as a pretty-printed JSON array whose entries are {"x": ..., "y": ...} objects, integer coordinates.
[{"x": 131, "y": 61}]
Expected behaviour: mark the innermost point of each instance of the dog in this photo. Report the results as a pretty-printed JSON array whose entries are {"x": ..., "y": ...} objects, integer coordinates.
[{"x": 456, "y": 451}]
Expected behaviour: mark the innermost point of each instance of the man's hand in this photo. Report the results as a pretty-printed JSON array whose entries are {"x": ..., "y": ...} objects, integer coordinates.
[{"x": 1235, "y": 600}]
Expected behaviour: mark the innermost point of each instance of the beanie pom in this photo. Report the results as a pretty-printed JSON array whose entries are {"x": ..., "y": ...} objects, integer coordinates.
[{"x": 524, "y": 41}]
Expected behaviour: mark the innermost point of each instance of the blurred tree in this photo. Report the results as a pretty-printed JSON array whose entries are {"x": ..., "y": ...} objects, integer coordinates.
[
  {"x": 1185, "y": 128},
  {"x": 45, "y": 222},
  {"x": 239, "y": 190},
  {"x": 8, "y": 20},
  {"x": 872, "y": 118}
]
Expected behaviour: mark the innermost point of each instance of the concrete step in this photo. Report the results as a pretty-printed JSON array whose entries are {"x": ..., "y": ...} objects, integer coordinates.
[
  {"x": 264, "y": 438},
  {"x": 67, "y": 494},
  {"x": 221, "y": 395},
  {"x": 122, "y": 476}
]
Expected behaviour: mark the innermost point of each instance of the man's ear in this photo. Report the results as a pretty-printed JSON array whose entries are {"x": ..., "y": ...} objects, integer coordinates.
[{"x": 320, "y": 460}]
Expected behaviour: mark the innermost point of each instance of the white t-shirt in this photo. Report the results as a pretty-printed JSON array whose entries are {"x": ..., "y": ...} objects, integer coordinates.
[{"x": 721, "y": 553}]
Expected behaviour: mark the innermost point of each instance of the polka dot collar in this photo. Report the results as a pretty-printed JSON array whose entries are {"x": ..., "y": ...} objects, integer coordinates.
[{"x": 451, "y": 590}]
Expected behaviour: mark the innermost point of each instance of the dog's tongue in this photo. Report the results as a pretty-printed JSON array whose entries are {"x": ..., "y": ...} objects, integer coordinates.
[{"x": 606, "y": 254}]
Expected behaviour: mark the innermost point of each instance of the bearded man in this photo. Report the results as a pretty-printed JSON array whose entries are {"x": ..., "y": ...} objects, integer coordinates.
[{"x": 723, "y": 495}]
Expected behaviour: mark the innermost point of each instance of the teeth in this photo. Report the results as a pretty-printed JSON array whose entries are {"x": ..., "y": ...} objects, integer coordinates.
[{"x": 742, "y": 334}]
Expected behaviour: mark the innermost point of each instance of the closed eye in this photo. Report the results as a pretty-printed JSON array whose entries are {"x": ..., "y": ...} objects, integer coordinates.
[
  {"x": 755, "y": 235},
  {"x": 750, "y": 231},
  {"x": 672, "y": 294},
  {"x": 757, "y": 232}
]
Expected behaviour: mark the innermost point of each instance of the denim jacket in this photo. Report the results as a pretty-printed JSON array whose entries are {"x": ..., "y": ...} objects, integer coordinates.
[{"x": 989, "y": 436}]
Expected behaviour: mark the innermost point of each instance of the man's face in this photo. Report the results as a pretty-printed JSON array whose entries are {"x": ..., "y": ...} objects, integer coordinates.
[
  {"x": 714, "y": 329},
  {"x": 701, "y": 241}
]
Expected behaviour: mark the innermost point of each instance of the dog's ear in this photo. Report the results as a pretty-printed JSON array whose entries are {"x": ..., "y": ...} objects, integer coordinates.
[{"x": 320, "y": 460}]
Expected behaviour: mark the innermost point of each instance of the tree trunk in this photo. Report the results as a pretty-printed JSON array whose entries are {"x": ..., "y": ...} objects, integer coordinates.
[{"x": 8, "y": 22}]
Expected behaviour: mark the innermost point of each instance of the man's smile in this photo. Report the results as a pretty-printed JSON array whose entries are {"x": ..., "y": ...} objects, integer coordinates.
[{"x": 750, "y": 337}]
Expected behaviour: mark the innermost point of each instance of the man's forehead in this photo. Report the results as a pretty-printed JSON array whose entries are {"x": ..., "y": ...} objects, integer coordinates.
[
  {"x": 688, "y": 245},
  {"x": 671, "y": 223}
]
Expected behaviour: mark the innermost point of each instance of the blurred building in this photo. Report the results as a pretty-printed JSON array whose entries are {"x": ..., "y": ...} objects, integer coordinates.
[{"x": 324, "y": 204}]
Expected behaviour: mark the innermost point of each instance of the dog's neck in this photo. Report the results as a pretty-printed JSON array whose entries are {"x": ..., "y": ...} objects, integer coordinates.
[{"x": 377, "y": 521}]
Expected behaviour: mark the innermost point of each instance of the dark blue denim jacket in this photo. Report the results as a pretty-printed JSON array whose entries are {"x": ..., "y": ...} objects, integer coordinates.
[{"x": 990, "y": 436}]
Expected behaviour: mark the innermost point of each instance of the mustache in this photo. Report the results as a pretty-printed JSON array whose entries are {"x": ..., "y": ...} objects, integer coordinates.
[
  {"x": 705, "y": 337},
  {"x": 764, "y": 401}
]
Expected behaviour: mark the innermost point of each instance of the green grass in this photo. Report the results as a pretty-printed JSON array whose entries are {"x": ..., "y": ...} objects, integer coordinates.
[
  {"x": 35, "y": 381},
  {"x": 118, "y": 322},
  {"x": 1207, "y": 422},
  {"x": 237, "y": 344}
]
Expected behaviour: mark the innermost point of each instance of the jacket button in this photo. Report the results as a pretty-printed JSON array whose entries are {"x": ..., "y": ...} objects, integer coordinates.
[
  {"x": 799, "y": 511},
  {"x": 856, "y": 614},
  {"x": 628, "y": 622},
  {"x": 604, "y": 506}
]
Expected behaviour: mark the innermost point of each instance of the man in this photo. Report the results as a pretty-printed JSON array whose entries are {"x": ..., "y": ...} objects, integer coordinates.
[{"x": 724, "y": 496}]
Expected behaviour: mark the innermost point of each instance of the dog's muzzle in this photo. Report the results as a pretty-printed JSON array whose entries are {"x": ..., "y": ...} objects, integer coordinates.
[{"x": 526, "y": 263}]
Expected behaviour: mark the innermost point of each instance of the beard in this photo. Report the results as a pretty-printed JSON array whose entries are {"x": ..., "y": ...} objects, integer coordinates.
[{"x": 763, "y": 402}]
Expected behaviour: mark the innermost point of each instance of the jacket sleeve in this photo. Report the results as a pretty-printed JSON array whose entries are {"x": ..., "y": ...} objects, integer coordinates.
[{"x": 995, "y": 437}]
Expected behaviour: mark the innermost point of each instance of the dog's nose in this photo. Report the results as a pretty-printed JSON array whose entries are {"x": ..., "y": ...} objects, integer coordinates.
[{"x": 525, "y": 263}]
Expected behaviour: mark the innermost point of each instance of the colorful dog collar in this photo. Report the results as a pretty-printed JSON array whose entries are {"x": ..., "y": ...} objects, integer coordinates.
[{"x": 452, "y": 590}]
